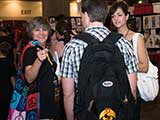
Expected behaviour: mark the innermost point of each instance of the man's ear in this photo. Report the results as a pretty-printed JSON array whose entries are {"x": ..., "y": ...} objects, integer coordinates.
[
  {"x": 86, "y": 13},
  {"x": 87, "y": 17}
]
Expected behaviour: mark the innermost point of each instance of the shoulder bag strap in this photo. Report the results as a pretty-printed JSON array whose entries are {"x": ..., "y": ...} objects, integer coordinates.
[
  {"x": 135, "y": 43},
  {"x": 87, "y": 37},
  {"x": 21, "y": 59}
]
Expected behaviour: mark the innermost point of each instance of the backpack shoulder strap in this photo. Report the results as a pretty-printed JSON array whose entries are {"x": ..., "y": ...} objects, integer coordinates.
[
  {"x": 86, "y": 37},
  {"x": 135, "y": 42},
  {"x": 113, "y": 37}
]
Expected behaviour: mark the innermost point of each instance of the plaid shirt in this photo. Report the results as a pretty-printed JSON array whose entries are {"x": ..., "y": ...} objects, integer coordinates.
[{"x": 74, "y": 50}]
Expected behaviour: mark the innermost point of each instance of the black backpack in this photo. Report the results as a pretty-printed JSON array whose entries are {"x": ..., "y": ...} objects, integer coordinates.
[{"x": 103, "y": 87}]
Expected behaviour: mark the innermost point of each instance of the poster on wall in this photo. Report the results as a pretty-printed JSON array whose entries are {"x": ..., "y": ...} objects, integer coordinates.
[
  {"x": 138, "y": 24},
  {"x": 76, "y": 24},
  {"x": 158, "y": 21},
  {"x": 52, "y": 22},
  {"x": 146, "y": 22},
  {"x": 153, "y": 21}
]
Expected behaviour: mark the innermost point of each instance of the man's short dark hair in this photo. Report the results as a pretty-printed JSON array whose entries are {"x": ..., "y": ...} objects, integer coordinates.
[{"x": 96, "y": 9}]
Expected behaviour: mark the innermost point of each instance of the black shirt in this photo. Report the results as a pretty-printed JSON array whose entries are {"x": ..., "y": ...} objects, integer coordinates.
[
  {"x": 6, "y": 71},
  {"x": 48, "y": 108}
]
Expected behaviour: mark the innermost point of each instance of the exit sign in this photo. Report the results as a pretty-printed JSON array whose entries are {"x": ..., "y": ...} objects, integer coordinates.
[{"x": 26, "y": 12}]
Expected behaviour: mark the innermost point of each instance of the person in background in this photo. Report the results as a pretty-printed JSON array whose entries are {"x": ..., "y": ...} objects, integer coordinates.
[
  {"x": 93, "y": 14},
  {"x": 53, "y": 35},
  {"x": 51, "y": 38},
  {"x": 5, "y": 36},
  {"x": 62, "y": 34},
  {"x": 57, "y": 43},
  {"x": 62, "y": 18},
  {"x": 7, "y": 79},
  {"x": 59, "y": 38},
  {"x": 2, "y": 32},
  {"x": 119, "y": 16},
  {"x": 39, "y": 70}
]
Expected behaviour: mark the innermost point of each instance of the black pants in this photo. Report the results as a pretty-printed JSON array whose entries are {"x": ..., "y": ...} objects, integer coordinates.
[
  {"x": 4, "y": 109},
  {"x": 137, "y": 113}
]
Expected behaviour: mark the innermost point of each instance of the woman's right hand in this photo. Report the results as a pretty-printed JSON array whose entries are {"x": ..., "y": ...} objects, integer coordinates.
[{"x": 42, "y": 54}]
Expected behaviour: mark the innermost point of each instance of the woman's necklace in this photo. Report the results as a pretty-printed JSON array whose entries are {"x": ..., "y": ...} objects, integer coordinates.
[{"x": 126, "y": 33}]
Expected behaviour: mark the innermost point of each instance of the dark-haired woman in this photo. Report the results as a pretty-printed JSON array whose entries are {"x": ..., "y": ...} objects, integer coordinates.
[{"x": 119, "y": 16}]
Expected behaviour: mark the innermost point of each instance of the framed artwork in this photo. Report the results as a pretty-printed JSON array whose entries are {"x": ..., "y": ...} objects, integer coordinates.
[
  {"x": 138, "y": 24},
  {"x": 76, "y": 24},
  {"x": 153, "y": 21},
  {"x": 73, "y": 22},
  {"x": 146, "y": 22},
  {"x": 78, "y": 21},
  {"x": 52, "y": 22},
  {"x": 158, "y": 21}
]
